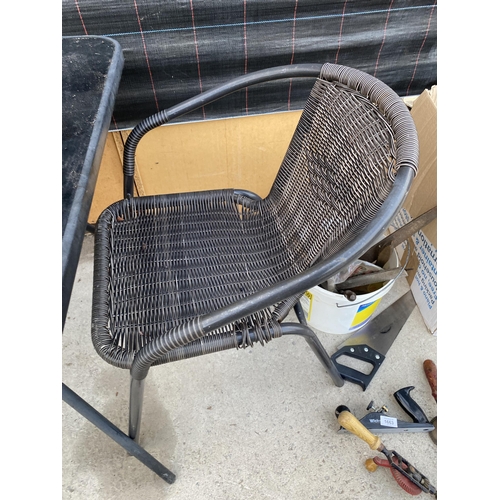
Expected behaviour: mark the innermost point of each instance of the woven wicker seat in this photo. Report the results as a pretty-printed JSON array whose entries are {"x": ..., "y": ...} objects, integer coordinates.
[{"x": 183, "y": 275}]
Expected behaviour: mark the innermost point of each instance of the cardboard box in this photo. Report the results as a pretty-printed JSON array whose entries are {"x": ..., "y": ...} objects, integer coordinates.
[
  {"x": 243, "y": 153},
  {"x": 422, "y": 264}
]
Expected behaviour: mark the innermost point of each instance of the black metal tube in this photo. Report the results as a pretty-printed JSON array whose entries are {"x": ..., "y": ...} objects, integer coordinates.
[
  {"x": 102, "y": 423},
  {"x": 135, "y": 408},
  {"x": 314, "y": 343},
  {"x": 248, "y": 194},
  {"x": 165, "y": 116},
  {"x": 262, "y": 76},
  {"x": 299, "y": 312}
]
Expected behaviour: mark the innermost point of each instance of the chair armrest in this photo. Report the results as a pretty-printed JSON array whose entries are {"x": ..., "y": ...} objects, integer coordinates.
[{"x": 165, "y": 116}]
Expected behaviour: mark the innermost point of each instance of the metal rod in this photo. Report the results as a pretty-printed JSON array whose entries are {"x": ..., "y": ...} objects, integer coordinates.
[
  {"x": 299, "y": 312},
  {"x": 248, "y": 194},
  {"x": 135, "y": 408},
  {"x": 102, "y": 423},
  {"x": 314, "y": 343}
]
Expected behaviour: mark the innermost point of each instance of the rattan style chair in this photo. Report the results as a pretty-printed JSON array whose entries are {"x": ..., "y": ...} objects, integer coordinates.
[{"x": 183, "y": 275}]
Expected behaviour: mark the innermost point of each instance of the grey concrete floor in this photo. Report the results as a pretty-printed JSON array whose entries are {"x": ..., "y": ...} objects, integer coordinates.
[{"x": 250, "y": 424}]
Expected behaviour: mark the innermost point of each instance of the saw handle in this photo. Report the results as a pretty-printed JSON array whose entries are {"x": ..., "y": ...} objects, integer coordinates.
[{"x": 349, "y": 422}]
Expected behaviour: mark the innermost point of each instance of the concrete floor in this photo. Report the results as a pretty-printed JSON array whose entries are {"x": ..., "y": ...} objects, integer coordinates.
[{"x": 250, "y": 424}]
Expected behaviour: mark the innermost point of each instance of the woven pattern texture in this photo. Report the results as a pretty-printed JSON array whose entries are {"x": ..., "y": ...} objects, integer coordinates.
[{"x": 163, "y": 260}]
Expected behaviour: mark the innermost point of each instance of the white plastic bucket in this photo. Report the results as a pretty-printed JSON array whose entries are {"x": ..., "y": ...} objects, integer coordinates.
[{"x": 331, "y": 312}]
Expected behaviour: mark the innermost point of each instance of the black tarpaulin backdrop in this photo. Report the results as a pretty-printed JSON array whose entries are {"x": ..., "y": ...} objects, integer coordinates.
[{"x": 174, "y": 49}]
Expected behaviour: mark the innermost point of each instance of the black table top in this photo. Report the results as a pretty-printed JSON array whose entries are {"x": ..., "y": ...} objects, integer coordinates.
[{"x": 91, "y": 71}]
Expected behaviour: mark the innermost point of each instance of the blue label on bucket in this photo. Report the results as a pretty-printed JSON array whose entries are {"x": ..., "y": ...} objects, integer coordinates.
[{"x": 364, "y": 313}]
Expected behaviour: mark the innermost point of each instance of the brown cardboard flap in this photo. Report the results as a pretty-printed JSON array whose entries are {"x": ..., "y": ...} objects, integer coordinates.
[
  {"x": 423, "y": 193},
  {"x": 422, "y": 265}
]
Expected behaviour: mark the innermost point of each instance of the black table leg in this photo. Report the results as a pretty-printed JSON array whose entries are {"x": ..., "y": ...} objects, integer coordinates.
[{"x": 102, "y": 423}]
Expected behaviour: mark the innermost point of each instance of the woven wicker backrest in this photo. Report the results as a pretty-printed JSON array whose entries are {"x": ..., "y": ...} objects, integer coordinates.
[{"x": 338, "y": 170}]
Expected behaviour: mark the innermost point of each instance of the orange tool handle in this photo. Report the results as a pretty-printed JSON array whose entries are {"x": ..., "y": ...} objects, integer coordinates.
[{"x": 430, "y": 370}]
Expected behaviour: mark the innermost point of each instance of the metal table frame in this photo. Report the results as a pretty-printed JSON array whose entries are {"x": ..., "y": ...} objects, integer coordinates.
[{"x": 92, "y": 67}]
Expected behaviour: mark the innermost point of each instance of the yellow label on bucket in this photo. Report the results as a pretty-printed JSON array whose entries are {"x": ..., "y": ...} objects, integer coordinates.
[
  {"x": 364, "y": 313},
  {"x": 309, "y": 295}
]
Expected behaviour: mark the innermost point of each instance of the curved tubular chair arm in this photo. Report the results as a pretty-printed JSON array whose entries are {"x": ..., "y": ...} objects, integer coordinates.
[
  {"x": 266, "y": 75},
  {"x": 298, "y": 284},
  {"x": 247, "y": 194}
]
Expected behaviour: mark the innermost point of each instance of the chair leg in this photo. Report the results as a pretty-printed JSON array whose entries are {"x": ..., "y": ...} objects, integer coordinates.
[
  {"x": 317, "y": 347},
  {"x": 103, "y": 424},
  {"x": 299, "y": 312},
  {"x": 135, "y": 408}
]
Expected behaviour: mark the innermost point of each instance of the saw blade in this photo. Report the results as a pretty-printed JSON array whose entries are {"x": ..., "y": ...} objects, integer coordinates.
[{"x": 372, "y": 342}]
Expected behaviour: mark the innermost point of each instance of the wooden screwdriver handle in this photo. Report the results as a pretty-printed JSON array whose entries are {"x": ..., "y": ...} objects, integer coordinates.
[
  {"x": 349, "y": 422},
  {"x": 430, "y": 370}
]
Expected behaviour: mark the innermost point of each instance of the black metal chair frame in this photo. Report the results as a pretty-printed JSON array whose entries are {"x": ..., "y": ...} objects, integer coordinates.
[{"x": 184, "y": 338}]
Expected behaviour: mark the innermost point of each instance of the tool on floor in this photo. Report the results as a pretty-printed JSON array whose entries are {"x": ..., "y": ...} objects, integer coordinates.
[
  {"x": 379, "y": 422},
  {"x": 430, "y": 370},
  {"x": 372, "y": 342},
  {"x": 396, "y": 461},
  {"x": 381, "y": 251},
  {"x": 372, "y": 465}
]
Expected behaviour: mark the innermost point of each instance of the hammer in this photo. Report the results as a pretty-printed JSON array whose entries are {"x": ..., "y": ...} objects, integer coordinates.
[{"x": 430, "y": 370}]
